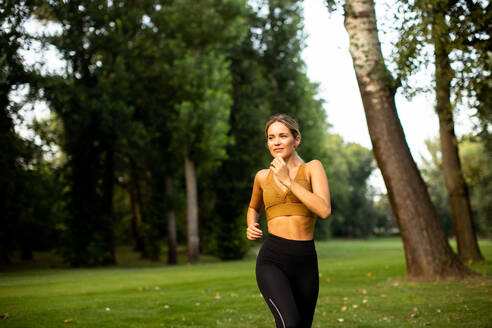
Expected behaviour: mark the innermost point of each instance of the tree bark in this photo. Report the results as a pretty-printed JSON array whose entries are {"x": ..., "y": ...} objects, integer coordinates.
[
  {"x": 464, "y": 230},
  {"x": 192, "y": 212},
  {"x": 172, "y": 250},
  {"x": 136, "y": 206},
  {"x": 427, "y": 251},
  {"x": 108, "y": 212}
]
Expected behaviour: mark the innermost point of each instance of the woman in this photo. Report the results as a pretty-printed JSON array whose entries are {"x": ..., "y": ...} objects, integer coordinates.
[{"x": 293, "y": 193}]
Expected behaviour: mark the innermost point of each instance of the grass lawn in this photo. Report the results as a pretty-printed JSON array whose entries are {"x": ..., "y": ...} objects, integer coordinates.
[{"x": 361, "y": 284}]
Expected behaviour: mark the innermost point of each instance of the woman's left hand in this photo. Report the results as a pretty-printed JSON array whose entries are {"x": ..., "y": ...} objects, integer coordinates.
[{"x": 281, "y": 171}]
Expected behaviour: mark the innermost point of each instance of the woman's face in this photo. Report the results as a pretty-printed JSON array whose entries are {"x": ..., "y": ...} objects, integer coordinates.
[{"x": 281, "y": 142}]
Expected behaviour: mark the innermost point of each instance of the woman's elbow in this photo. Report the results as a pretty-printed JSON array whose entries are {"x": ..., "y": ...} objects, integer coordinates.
[{"x": 326, "y": 212}]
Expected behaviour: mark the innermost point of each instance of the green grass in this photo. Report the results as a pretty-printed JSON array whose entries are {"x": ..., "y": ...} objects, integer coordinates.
[{"x": 366, "y": 277}]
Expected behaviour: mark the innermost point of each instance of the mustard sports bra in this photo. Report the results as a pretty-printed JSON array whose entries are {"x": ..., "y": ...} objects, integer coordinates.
[{"x": 284, "y": 203}]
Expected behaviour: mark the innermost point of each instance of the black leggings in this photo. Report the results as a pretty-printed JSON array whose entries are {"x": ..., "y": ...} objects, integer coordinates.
[{"x": 287, "y": 275}]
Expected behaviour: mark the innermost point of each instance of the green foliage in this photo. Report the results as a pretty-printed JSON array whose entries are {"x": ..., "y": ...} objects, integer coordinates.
[
  {"x": 15, "y": 152},
  {"x": 92, "y": 101},
  {"x": 290, "y": 91},
  {"x": 268, "y": 77},
  {"x": 477, "y": 173},
  {"x": 245, "y": 154},
  {"x": 354, "y": 212},
  {"x": 145, "y": 84},
  {"x": 432, "y": 173},
  {"x": 465, "y": 28}
]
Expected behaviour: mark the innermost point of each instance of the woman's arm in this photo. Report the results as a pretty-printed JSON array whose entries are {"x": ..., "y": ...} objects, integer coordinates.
[
  {"x": 252, "y": 231},
  {"x": 317, "y": 201}
]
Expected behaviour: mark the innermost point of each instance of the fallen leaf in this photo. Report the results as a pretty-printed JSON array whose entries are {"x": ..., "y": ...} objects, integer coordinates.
[
  {"x": 364, "y": 291},
  {"x": 355, "y": 306},
  {"x": 68, "y": 320},
  {"x": 140, "y": 289},
  {"x": 157, "y": 288},
  {"x": 4, "y": 315},
  {"x": 217, "y": 295},
  {"x": 108, "y": 309},
  {"x": 340, "y": 320},
  {"x": 344, "y": 308},
  {"x": 482, "y": 284},
  {"x": 197, "y": 303},
  {"x": 166, "y": 306},
  {"x": 364, "y": 301},
  {"x": 415, "y": 309},
  {"x": 369, "y": 274},
  {"x": 328, "y": 279},
  {"x": 428, "y": 323},
  {"x": 438, "y": 310},
  {"x": 345, "y": 298}
]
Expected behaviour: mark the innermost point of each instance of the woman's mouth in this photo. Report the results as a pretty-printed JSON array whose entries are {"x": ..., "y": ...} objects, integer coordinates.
[{"x": 278, "y": 149}]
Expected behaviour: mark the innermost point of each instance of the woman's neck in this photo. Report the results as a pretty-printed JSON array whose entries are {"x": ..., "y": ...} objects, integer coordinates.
[{"x": 293, "y": 161}]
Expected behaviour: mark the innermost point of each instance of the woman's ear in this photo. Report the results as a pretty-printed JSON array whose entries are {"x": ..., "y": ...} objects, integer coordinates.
[{"x": 298, "y": 141}]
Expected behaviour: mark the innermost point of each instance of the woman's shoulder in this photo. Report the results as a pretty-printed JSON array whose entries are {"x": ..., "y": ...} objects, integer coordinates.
[
  {"x": 261, "y": 177},
  {"x": 262, "y": 174},
  {"x": 314, "y": 165}
]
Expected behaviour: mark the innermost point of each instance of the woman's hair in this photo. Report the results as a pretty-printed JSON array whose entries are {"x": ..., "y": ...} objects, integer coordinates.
[{"x": 287, "y": 120}]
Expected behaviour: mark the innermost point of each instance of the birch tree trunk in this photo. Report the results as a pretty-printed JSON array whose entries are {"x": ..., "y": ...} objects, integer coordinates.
[
  {"x": 172, "y": 253},
  {"x": 427, "y": 251},
  {"x": 192, "y": 212},
  {"x": 466, "y": 238}
]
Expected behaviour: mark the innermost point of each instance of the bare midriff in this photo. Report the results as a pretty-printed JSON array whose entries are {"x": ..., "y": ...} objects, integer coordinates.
[{"x": 292, "y": 227}]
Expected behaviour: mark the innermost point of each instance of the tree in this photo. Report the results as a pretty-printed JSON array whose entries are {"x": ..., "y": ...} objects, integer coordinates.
[
  {"x": 428, "y": 254},
  {"x": 12, "y": 75},
  {"x": 431, "y": 170},
  {"x": 356, "y": 215},
  {"x": 477, "y": 173},
  {"x": 430, "y": 23},
  {"x": 92, "y": 101},
  {"x": 245, "y": 154},
  {"x": 201, "y": 34},
  {"x": 290, "y": 90}
]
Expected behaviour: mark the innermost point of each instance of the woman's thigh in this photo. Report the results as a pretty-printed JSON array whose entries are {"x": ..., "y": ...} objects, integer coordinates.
[{"x": 278, "y": 294}]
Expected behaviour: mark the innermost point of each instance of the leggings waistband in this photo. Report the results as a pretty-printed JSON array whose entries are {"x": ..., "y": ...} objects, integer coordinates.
[{"x": 289, "y": 246}]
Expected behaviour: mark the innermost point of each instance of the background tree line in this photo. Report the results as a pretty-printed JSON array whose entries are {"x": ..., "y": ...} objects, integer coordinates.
[{"x": 159, "y": 118}]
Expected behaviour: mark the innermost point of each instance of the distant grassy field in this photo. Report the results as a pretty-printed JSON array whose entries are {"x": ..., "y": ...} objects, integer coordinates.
[{"x": 361, "y": 285}]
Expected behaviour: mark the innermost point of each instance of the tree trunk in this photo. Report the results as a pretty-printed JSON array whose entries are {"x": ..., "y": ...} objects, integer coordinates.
[
  {"x": 25, "y": 250},
  {"x": 172, "y": 252},
  {"x": 466, "y": 238},
  {"x": 108, "y": 212},
  {"x": 192, "y": 212},
  {"x": 136, "y": 206},
  {"x": 427, "y": 251},
  {"x": 4, "y": 255}
]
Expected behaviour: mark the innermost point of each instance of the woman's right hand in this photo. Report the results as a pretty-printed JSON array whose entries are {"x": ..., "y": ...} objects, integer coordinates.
[{"x": 253, "y": 232}]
